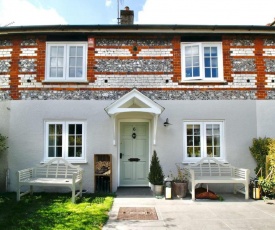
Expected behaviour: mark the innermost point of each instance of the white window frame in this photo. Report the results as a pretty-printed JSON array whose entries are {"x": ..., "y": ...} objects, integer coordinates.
[
  {"x": 201, "y": 46},
  {"x": 203, "y": 145},
  {"x": 65, "y": 76},
  {"x": 65, "y": 144}
]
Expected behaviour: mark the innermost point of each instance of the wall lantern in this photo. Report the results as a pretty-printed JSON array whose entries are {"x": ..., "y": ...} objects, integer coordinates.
[
  {"x": 168, "y": 188},
  {"x": 166, "y": 123}
]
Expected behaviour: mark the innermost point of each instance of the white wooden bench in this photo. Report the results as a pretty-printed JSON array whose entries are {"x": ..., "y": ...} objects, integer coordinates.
[
  {"x": 56, "y": 172},
  {"x": 210, "y": 170}
]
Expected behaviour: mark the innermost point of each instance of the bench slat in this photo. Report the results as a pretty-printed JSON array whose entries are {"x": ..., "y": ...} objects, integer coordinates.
[
  {"x": 210, "y": 170},
  {"x": 57, "y": 172}
]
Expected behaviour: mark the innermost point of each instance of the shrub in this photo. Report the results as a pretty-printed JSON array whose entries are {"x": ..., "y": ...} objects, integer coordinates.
[
  {"x": 259, "y": 150},
  {"x": 155, "y": 175}
]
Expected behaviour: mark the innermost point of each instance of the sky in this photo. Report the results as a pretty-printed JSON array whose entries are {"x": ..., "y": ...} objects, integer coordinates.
[{"x": 93, "y": 12}]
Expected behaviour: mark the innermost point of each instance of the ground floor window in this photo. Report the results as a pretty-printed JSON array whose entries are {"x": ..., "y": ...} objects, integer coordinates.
[
  {"x": 65, "y": 139},
  {"x": 203, "y": 139}
]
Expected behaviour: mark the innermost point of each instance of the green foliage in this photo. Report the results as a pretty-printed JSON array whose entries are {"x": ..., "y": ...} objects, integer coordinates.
[
  {"x": 50, "y": 211},
  {"x": 180, "y": 176},
  {"x": 259, "y": 150},
  {"x": 3, "y": 143},
  {"x": 155, "y": 175}
]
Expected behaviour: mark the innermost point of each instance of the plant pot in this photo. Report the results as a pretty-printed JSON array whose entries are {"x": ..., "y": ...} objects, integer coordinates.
[
  {"x": 158, "y": 190},
  {"x": 179, "y": 189}
]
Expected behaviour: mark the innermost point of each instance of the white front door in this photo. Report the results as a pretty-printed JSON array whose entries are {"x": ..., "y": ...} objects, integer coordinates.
[{"x": 134, "y": 153}]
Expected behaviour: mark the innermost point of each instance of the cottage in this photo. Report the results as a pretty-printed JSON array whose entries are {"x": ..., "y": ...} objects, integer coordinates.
[{"x": 78, "y": 91}]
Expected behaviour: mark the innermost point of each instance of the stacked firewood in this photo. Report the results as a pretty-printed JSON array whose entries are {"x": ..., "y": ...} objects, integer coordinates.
[{"x": 103, "y": 167}]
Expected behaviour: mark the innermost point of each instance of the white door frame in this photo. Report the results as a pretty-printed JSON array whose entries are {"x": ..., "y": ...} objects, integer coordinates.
[{"x": 118, "y": 146}]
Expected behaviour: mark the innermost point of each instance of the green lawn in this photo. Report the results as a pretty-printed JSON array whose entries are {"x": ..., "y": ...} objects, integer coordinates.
[{"x": 44, "y": 211}]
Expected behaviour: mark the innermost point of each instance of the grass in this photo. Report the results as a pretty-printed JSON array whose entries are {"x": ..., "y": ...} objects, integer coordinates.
[{"x": 48, "y": 211}]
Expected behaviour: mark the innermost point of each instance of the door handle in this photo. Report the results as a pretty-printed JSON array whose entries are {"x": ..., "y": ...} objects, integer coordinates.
[
  {"x": 120, "y": 155},
  {"x": 133, "y": 159}
]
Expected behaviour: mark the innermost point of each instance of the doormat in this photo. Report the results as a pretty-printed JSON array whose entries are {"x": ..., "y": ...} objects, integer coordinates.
[{"x": 134, "y": 213}]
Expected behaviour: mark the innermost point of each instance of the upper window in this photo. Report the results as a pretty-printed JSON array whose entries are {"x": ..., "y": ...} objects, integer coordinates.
[
  {"x": 65, "y": 139},
  {"x": 202, "y": 61},
  {"x": 203, "y": 139},
  {"x": 66, "y": 61}
]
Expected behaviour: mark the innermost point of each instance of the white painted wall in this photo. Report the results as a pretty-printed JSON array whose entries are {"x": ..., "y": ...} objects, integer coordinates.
[
  {"x": 27, "y": 131},
  {"x": 4, "y": 130}
]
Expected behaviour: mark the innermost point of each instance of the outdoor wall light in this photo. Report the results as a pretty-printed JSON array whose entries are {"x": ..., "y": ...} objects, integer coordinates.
[{"x": 166, "y": 123}]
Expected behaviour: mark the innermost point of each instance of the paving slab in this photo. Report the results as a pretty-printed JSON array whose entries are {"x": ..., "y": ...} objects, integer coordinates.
[{"x": 234, "y": 213}]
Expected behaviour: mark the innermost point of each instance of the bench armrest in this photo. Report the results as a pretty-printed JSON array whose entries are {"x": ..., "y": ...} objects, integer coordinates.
[
  {"x": 243, "y": 173},
  {"x": 78, "y": 175},
  {"x": 25, "y": 174}
]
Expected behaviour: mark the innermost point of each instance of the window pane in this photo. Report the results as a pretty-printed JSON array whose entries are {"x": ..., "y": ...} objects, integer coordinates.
[
  {"x": 59, "y": 129},
  {"x": 190, "y": 141},
  {"x": 197, "y": 130},
  {"x": 72, "y": 51},
  {"x": 78, "y": 152},
  {"x": 197, "y": 141},
  {"x": 196, "y": 72},
  {"x": 59, "y": 140},
  {"x": 71, "y": 140},
  {"x": 71, "y": 129},
  {"x": 195, "y": 50},
  {"x": 72, "y": 61},
  {"x": 210, "y": 152},
  {"x": 71, "y": 72},
  {"x": 78, "y": 72},
  {"x": 217, "y": 152},
  {"x": 209, "y": 141},
  {"x": 188, "y": 72},
  {"x": 214, "y": 72},
  {"x": 217, "y": 140},
  {"x": 196, "y": 61},
  {"x": 60, "y": 51},
  {"x": 207, "y": 62},
  {"x": 78, "y": 140},
  {"x": 188, "y": 51},
  {"x": 53, "y": 72},
  {"x": 53, "y": 62},
  {"x": 206, "y": 51},
  {"x": 214, "y": 51},
  {"x": 51, "y": 140},
  {"x": 214, "y": 62},
  {"x": 208, "y": 72},
  {"x": 79, "y": 61},
  {"x": 59, "y": 72},
  {"x": 51, "y": 129},
  {"x": 79, "y": 51},
  {"x": 197, "y": 151},
  {"x": 59, "y": 152},
  {"x": 60, "y": 62},
  {"x": 51, "y": 152},
  {"x": 71, "y": 152},
  {"x": 189, "y": 129},
  {"x": 79, "y": 129}
]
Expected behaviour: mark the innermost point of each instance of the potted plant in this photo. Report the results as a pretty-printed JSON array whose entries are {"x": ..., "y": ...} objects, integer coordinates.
[
  {"x": 179, "y": 183},
  {"x": 156, "y": 175}
]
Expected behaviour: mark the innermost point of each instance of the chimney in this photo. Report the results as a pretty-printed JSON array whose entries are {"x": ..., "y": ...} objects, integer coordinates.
[{"x": 127, "y": 16}]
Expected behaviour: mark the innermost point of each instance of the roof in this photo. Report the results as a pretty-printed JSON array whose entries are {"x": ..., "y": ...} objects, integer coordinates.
[{"x": 136, "y": 28}]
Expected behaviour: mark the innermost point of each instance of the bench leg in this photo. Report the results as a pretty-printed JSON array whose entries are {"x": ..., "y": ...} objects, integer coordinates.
[
  {"x": 18, "y": 194},
  {"x": 246, "y": 191},
  {"x": 80, "y": 189},
  {"x": 234, "y": 189},
  {"x": 193, "y": 191},
  {"x": 73, "y": 194}
]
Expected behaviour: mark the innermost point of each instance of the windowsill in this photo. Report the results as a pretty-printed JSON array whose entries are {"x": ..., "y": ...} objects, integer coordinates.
[
  {"x": 70, "y": 161},
  {"x": 192, "y": 161},
  {"x": 65, "y": 81},
  {"x": 202, "y": 82}
]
